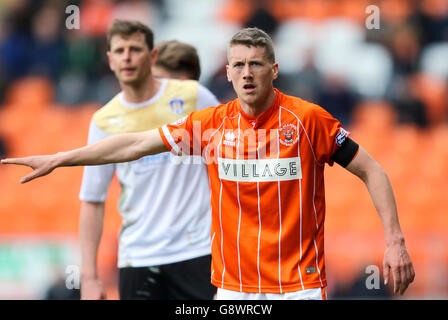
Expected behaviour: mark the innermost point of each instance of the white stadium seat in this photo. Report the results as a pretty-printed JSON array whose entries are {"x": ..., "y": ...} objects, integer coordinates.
[
  {"x": 434, "y": 60},
  {"x": 293, "y": 40},
  {"x": 370, "y": 70}
]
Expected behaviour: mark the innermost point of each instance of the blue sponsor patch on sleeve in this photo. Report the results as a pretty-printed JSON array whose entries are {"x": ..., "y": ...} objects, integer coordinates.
[{"x": 341, "y": 136}]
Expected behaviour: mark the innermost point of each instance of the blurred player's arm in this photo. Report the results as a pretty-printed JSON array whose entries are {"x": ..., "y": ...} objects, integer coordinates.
[
  {"x": 396, "y": 257},
  {"x": 90, "y": 231},
  {"x": 118, "y": 148}
]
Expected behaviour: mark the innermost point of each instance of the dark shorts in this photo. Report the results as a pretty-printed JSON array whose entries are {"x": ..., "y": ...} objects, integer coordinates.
[{"x": 185, "y": 280}]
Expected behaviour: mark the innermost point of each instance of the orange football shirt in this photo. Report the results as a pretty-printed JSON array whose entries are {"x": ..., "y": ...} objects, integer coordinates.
[{"x": 267, "y": 190}]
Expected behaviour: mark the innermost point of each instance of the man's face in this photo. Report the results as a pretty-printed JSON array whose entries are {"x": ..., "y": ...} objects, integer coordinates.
[
  {"x": 251, "y": 73},
  {"x": 130, "y": 58}
]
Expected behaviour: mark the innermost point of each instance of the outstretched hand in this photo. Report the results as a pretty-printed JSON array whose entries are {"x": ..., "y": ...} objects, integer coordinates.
[
  {"x": 41, "y": 165},
  {"x": 397, "y": 261}
]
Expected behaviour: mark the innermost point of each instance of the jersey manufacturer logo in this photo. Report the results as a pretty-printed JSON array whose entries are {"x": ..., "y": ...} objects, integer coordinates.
[
  {"x": 229, "y": 139},
  {"x": 342, "y": 135},
  {"x": 117, "y": 121},
  {"x": 259, "y": 170},
  {"x": 177, "y": 105},
  {"x": 288, "y": 134},
  {"x": 179, "y": 122}
]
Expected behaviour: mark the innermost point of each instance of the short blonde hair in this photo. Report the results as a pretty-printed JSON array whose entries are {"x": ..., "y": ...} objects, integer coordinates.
[{"x": 254, "y": 37}]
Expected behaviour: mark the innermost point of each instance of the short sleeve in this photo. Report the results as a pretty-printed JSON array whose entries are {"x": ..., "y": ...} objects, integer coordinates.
[
  {"x": 96, "y": 179},
  {"x": 187, "y": 136},
  {"x": 327, "y": 134}
]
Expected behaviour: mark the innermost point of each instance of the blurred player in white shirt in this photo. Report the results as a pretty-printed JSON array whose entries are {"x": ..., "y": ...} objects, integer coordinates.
[{"x": 164, "y": 242}]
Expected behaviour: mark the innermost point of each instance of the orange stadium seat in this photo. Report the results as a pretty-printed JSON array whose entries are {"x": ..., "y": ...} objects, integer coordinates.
[
  {"x": 236, "y": 11},
  {"x": 14, "y": 126},
  {"x": 26, "y": 100},
  {"x": 375, "y": 115},
  {"x": 353, "y": 10},
  {"x": 14, "y": 202},
  {"x": 312, "y": 9},
  {"x": 96, "y": 16},
  {"x": 32, "y": 93},
  {"x": 395, "y": 11},
  {"x": 78, "y": 125},
  {"x": 434, "y": 8},
  {"x": 287, "y": 9},
  {"x": 292, "y": 9},
  {"x": 112, "y": 221},
  {"x": 434, "y": 94},
  {"x": 373, "y": 123}
]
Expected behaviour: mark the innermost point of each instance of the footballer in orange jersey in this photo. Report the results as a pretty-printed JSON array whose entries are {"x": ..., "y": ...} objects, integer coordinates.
[{"x": 265, "y": 154}]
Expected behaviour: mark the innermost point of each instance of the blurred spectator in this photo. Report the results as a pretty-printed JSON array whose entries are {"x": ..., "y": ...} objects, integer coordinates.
[
  {"x": 337, "y": 98},
  {"x": 3, "y": 150},
  {"x": 16, "y": 41},
  {"x": 409, "y": 107},
  {"x": 80, "y": 55},
  {"x": 47, "y": 43},
  {"x": 19, "y": 15},
  {"x": 281, "y": 82},
  {"x": 306, "y": 83},
  {"x": 220, "y": 86},
  {"x": 262, "y": 18},
  {"x": 82, "y": 60},
  {"x": 431, "y": 17},
  {"x": 405, "y": 49}
]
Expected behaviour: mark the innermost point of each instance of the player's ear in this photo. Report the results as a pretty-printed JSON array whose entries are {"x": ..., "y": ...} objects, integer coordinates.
[
  {"x": 154, "y": 56},
  {"x": 228, "y": 73},
  {"x": 109, "y": 59},
  {"x": 275, "y": 71}
]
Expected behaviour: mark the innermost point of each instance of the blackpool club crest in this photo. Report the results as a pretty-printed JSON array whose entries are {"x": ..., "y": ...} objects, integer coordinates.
[{"x": 288, "y": 134}]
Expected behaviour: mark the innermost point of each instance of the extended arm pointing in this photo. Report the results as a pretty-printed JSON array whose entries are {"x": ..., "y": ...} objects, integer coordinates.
[{"x": 118, "y": 148}]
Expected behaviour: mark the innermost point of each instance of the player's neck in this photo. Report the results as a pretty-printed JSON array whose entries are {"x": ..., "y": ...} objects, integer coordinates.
[
  {"x": 144, "y": 91},
  {"x": 257, "y": 108}
]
